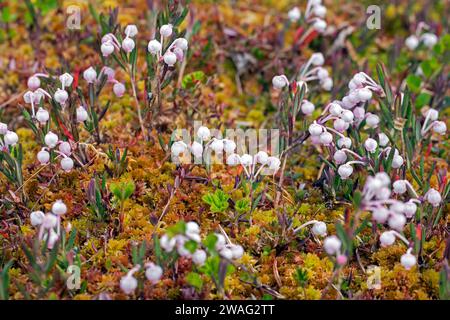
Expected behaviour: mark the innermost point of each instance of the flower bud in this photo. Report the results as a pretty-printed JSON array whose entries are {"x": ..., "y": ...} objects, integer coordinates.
[
  {"x": 387, "y": 238},
  {"x": 412, "y": 42},
  {"x": 128, "y": 45},
  {"x": 236, "y": 251},
  {"x": 107, "y": 48},
  {"x": 229, "y": 145},
  {"x": 220, "y": 242},
  {"x": 340, "y": 157},
  {"x": 372, "y": 120},
  {"x": 408, "y": 261},
  {"x": 397, "y": 221},
  {"x": 432, "y": 114},
  {"x": 344, "y": 142},
  {"x": 347, "y": 116},
  {"x": 364, "y": 94},
  {"x": 397, "y": 162},
  {"x": 383, "y": 178},
  {"x": 340, "y": 125},
  {"x": 119, "y": 89},
  {"x": 279, "y": 82},
  {"x": 359, "y": 113},
  {"x": 326, "y": 84},
  {"x": 181, "y": 43},
  {"x": 383, "y": 139},
  {"x": 43, "y": 156},
  {"x": 319, "y": 25},
  {"x": 429, "y": 39},
  {"x": 317, "y": 59},
  {"x": 370, "y": 145},
  {"x": 199, "y": 257},
  {"x": 131, "y": 30},
  {"x": 203, "y": 133},
  {"x": 166, "y": 30},
  {"x": 167, "y": 243},
  {"x": 383, "y": 193},
  {"x": 128, "y": 284},
  {"x": 197, "y": 149},
  {"x": 322, "y": 73},
  {"x": 192, "y": 227},
  {"x": 90, "y": 75},
  {"x": 273, "y": 163},
  {"x": 66, "y": 79},
  {"x": 33, "y": 83},
  {"x": 439, "y": 127},
  {"x": 178, "y": 148},
  {"x": 294, "y": 14},
  {"x": 399, "y": 186},
  {"x": 326, "y": 138},
  {"x": 65, "y": 148},
  {"x": 433, "y": 197},
  {"x": 36, "y": 218},
  {"x": 82, "y": 114},
  {"x": 11, "y": 138},
  {"x": 59, "y": 208},
  {"x": 170, "y": 58},
  {"x": 320, "y": 11},
  {"x": 226, "y": 253},
  {"x": 410, "y": 209},
  {"x": 51, "y": 139},
  {"x": 246, "y": 160},
  {"x": 345, "y": 171},
  {"x": 154, "y": 46},
  {"x": 307, "y": 107},
  {"x": 61, "y": 96},
  {"x": 319, "y": 229},
  {"x": 332, "y": 244},
  {"x": 262, "y": 157},
  {"x": 217, "y": 145},
  {"x": 3, "y": 128},
  {"x": 380, "y": 214},
  {"x": 49, "y": 221},
  {"x": 335, "y": 109},
  {"x": 153, "y": 273},
  {"x": 315, "y": 129},
  {"x": 42, "y": 115},
  {"x": 233, "y": 159}
]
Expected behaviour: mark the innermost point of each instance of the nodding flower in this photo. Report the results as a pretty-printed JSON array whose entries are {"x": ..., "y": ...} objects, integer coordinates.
[
  {"x": 128, "y": 283},
  {"x": 90, "y": 75},
  {"x": 408, "y": 260},
  {"x": 280, "y": 81},
  {"x": 433, "y": 197},
  {"x": 294, "y": 14},
  {"x": 332, "y": 245}
]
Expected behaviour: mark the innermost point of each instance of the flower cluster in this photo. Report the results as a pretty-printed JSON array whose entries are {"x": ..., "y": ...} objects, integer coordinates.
[
  {"x": 206, "y": 144},
  {"x": 428, "y": 39},
  {"x": 432, "y": 122},
  {"x": 308, "y": 74},
  {"x": 129, "y": 283},
  {"x": 62, "y": 148},
  {"x": 314, "y": 14},
  {"x": 50, "y": 223},
  {"x": 187, "y": 245},
  {"x": 110, "y": 43},
  {"x": 174, "y": 52},
  {"x": 8, "y": 137},
  {"x": 348, "y": 112}
]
